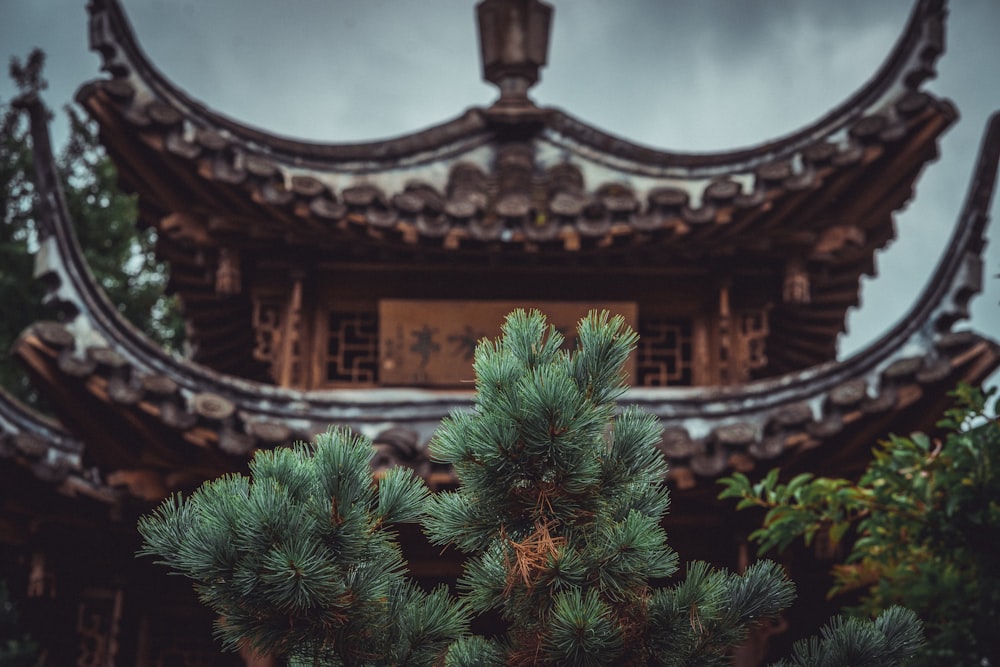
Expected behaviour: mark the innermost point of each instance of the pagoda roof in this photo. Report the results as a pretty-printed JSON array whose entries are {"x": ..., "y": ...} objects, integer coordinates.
[
  {"x": 497, "y": 179},
  {"x": 522, "y": 184},
  {"x": 140, "y": 409}
]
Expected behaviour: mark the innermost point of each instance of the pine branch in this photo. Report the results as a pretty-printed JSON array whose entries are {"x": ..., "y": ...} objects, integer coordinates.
[
  {"x": 296, "y": 559},
  {"x": 891, "y": 639}
]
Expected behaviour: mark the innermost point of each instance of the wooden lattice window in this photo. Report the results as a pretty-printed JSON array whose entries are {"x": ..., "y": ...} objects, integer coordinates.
[
  {"x": 665, "y": 352},
  {"x": 270, "y": 312},
  {"x": 352, "y": 347}
]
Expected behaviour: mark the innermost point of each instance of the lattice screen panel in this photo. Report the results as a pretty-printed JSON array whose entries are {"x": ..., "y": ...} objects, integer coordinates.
[
  {"x": 352, "y": 347},
  {"x": 664, "y": 353}
]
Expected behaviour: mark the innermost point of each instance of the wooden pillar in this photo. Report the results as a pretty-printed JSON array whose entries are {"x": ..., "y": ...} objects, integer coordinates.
[
  {"x": 310, "y": 373},
  {"x": 726, "y": 348},
  {"x": 143, "y": 645},
  {"x": 289, "y": 334}
]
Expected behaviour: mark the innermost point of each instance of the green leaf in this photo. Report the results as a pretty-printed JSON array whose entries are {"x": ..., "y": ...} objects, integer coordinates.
[
  {"x": 837, "y": 531},
  {"x": 736, "y": 485}
]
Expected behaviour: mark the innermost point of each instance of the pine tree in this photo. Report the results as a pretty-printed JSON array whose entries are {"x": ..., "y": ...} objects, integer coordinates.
[{"x": 559, "y": 511}]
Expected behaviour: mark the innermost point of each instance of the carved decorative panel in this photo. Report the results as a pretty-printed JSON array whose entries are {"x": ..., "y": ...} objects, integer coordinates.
[
  {"x": 267, "y": 311},
  {"x": 431, "y": 343},
  {"x": 753, "y": 332},
  {"x": 665, "y": 352},
  {"x": 270, "y": 322},
  {"x": 730, "y": 370}
]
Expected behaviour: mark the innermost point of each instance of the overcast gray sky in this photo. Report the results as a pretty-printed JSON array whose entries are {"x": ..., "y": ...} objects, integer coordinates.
[{"x": 687, "y": 75}]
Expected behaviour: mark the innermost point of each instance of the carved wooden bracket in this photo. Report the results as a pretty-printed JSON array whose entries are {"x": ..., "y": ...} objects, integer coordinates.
[
  {"x": 796, "y": 289},
  {"x": 228, "y": 279}
]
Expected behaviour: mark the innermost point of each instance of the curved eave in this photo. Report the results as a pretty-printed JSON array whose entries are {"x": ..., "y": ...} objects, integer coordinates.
[
  {"x": 37, "y": 452},
  {"x": 911, "y": 62},
  {"x": 112, "y": 36},
  {"x": 404, "y": 190},
  {"x": 832, "y": 215},
  {"x": 186, "y": 416}
]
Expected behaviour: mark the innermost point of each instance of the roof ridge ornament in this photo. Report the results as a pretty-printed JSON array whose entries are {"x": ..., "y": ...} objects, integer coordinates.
[{"x": 514, "y": 42}]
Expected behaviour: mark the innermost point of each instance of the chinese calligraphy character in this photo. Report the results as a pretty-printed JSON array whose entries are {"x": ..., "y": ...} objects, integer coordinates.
[
  {"x": 465, "y": 342},
  {"x": 424, "y": 344}
]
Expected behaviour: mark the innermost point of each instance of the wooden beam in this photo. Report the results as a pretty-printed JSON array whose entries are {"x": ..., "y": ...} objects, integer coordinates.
[{"x": 289, "y": 333}]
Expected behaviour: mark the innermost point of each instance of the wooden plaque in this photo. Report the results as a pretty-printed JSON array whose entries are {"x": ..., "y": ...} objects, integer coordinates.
[{"x": 431, "y": 343}]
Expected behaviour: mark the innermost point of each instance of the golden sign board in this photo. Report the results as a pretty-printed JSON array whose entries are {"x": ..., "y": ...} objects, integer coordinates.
[{"x": 431, "y": 343}]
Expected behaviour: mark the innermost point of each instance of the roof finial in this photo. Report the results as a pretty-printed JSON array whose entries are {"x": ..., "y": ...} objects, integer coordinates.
[{"x": 514, "y": 39}]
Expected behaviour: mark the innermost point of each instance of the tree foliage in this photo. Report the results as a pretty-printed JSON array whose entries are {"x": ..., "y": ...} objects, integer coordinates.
[
  {"x": 121, "y": 257},
  {"x": 298, "y": 559},
  {"x": 560, "y": 509},
  {"x": 20, "y": 294},
  {"x": 925, "y": 524},
  {"x": 559, "y": 512}
]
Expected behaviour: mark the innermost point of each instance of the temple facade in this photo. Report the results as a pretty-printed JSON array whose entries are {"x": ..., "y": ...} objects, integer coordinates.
[{"x": 348, "y": 284}]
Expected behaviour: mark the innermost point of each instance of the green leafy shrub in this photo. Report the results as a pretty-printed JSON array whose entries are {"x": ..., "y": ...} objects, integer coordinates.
[{"x": 925, "y": 518}]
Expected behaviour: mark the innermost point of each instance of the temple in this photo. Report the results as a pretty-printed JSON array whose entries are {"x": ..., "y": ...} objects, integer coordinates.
[{"x": 348, "y": 284}]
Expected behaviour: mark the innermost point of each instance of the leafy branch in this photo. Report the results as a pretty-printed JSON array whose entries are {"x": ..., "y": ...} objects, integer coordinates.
[{"x": 926, "y": 524}]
